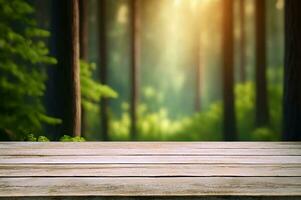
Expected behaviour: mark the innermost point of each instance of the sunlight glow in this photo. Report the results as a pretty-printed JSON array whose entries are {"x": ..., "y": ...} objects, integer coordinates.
[
  {"x": 280, "y": 4},
  {"x": 122, "y": 14},
  {"x": 194, "y": 3},
  {"x": 177, "y": 2}
]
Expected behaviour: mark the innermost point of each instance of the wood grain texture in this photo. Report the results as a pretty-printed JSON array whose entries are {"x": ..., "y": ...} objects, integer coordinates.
[
  {"x": 176, "y": 186},
  {"x": 158, "y": 198},
  {"x": 161, "y": 151},
  {"x": 105, "y": 170},
  {"x": 148, "y": 170},
  {"x": 153, "y": 159},
  {"x": 146, "y": 145}
]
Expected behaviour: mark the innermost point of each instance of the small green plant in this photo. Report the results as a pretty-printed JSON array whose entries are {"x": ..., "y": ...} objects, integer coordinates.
[
  {"x": 31, "y": 138},
  {"x": 43, "y": 139},
  {"x": 67, "y": 138}
]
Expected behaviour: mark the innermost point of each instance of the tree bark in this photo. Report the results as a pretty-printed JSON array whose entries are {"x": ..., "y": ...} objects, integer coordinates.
[
  {"x": 243, "y": 77},
  {"x": 63, "y": 86},
  {"x": 75, "y": 118},
  {"x": 262, "y": 109},
  {"x": 292, "y": 71},
  {"x": 104, "y": 110},
  {"x": 229, "y": 129},
  {"x": 135, "y": 57},
  {"x": 84, "y": 35}
]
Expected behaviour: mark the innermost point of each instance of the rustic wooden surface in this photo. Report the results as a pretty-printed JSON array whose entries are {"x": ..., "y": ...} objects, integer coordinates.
[{"x": 155, "y": 170}]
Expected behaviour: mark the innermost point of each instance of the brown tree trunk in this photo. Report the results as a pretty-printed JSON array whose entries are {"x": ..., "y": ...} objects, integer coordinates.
[
  {"x": 198, "y": 61},
  {"x": 262, "y": 109},
  {"x": 198, "y": 82},
  {"x": 135, "y": 57},
  {"x": 63, "y": 86},
  {"x": 75, "y": 100},
  {"x": 84, "y": 33},
  {"x": 242, "y": 41},
  {"x": 104, "y": 110},
  {"x": 228, "y": 73},
  {"x": 292, "y": 71}
]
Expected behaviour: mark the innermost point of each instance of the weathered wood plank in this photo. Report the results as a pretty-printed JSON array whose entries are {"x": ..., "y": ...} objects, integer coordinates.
[
  {"x": 156, "y": 198},
  {"x": 194, "y": 186},
  {"x": 153, "y": 159},
  {"x": 148, "y": 170},
  {"x": 152, "y": 145},
  {"x": 209, "y": 170},
  {"x": 184, "y": 151}
]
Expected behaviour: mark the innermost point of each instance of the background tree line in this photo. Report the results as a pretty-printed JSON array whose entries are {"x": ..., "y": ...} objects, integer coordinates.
[{"x": 59, "y": 92}]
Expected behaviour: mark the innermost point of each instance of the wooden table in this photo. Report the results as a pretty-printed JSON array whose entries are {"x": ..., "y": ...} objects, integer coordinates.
[{"x": 152, "y": 170}]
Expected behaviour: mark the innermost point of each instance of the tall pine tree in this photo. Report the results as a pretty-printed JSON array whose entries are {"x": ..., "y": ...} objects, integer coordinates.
[
  {"x": 292, "y": 71},
  {"x": 228, "y": 72},
  {"x": 63, "y": 92},
  {"x": 83, "y": 34},
  {"x": 135, "y": 58},
  {"x": 104, "y": 110},
  {"x": 262, "y": 108}
]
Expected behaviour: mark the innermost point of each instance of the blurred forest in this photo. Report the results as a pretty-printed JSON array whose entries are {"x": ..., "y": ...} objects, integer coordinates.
[{"x": 178, "y": 70}]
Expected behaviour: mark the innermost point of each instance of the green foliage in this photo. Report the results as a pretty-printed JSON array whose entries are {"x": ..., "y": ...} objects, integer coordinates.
[
  {"x": 31, "y": 138},
  {"x": 43, "y": 139},
  {"x": 91, "y": 90},
  {"x": 264, "y": 134},
  {"x": 23, "y": 57},
  {"x": 67, "y": 138},
  {"x": 157, "y": 125},
  {"x": 245, "y": 112},
  {"x": 275, "y": 104},
  {"x": 206, "y": 125}
]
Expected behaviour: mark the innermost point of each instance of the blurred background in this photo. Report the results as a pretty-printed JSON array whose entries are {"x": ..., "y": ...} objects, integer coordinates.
[{"x": 163, "y": 60}]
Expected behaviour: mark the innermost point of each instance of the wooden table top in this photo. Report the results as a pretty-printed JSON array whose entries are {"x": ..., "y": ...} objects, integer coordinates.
[{"x": 150, "y": 169}]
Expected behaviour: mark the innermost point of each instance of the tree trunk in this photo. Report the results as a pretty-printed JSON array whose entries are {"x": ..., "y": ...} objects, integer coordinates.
[
  {"x": 104, "y": 116},
  {"x": 198, "y": 63},
  {"x": 63, "y": 86},
  {"x": 228, "y": 73},
  {"x": 198, "y": 82},
  {"x": 135, "y": 57},
  {"x": 84, "y": 34},
  {"x": 262, "y": 109},
  {"x": 242, "y": 41},
  {"x": 75, "y": 125},
  {"x": 292, "y": 71}
]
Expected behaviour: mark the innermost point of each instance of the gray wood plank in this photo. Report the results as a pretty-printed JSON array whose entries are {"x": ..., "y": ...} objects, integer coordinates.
[
  {"x": 148, "y": 170},
  {"x": 160, "y": 169},
  {"x": 157, "y": 198},
  {"x": 148, "y": 151},
  {"x": 195, "y": 186},
  {"x": 153, "y": 159},
  {"x": 134, "y": 145}
]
